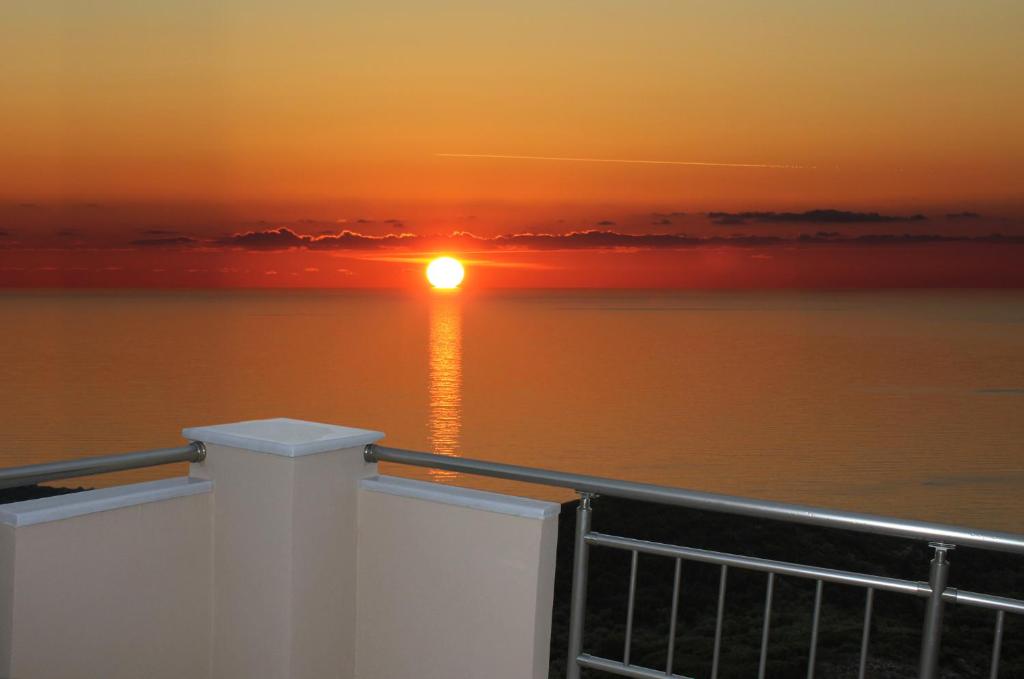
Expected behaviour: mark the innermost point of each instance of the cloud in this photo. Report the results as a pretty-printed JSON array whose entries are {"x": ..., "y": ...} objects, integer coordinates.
[
  {"x": 664, "y": 221},
  {"x": 4, "y": 234},
  {"x": 173, "y": 241},
  {"x": 284, "y": 238},
  {"x": 351, "y": 240},
  {"x": 819, "y": 216},
  {"x": 160, "y": 232},
  {"x": 271, "y": 239},
  {"x": 606, "y": 222},
  {"x": 963, "y": 215},
  {"x": 911, "y": 239},
  {"x": 67, "y": 233},
  {"x": 729, "y": 220},
  {"x": 591, "y": 239}
]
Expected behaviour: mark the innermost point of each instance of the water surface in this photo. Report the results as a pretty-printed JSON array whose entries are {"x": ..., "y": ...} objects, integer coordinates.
[{"x": 910, "y": 403}]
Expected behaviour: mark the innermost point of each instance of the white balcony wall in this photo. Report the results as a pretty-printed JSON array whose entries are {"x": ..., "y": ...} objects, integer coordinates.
[
  {"x": 453, "y": 582},
  {"x": 283, "y": 556},
  {"x": 111, "y": 583}
]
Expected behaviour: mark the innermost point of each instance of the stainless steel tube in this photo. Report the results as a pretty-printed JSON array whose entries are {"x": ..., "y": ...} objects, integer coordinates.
[
  {"x": 997, "y": 645},
  {"x": 812, "y": 655},
  {"x": 865, "y": 637},
  {"x": 765, "y": 565},
  {"x": 762, "y": 665},
  {"x": 614, "y": 667},
  {"x": 578, "y": 605},
  {"x": 629, "y": 609},
  {"x": 672, "y": 620},
  {"x": 13, "y": 477},
  {"x": 718, "y": 621},
  {"x": 715, "y": 502},
  {"x": 931, "y": 636},
  {"x": 996, "y": 603}
]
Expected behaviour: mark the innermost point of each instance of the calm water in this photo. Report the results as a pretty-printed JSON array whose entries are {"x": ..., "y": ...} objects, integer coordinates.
[{"x": 909, "y": 403}]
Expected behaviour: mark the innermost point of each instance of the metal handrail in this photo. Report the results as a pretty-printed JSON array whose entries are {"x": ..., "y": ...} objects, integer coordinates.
[
  {"x": 13, "y": 477},
  {"x": 942, "y": 538},
  {"x": 714, "y": 502}
]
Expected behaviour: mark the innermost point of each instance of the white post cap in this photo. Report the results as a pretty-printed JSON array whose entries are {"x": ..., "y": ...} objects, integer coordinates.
[{"x": 283, "y": 436}]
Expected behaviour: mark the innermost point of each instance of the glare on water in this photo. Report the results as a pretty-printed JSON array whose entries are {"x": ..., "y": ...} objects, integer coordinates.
[{"x": 445, "y": 419}]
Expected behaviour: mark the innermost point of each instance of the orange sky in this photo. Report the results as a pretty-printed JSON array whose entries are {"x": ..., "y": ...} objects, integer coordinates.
[{"x": 202, "y": 120}]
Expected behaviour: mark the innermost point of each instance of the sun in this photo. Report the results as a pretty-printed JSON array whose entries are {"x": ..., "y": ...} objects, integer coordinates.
[{"x": 445, "y": 272}]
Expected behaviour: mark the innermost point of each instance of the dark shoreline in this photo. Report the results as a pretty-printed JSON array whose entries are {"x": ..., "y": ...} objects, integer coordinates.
[
  {"x": 22, "y": 493},
  {"x": 896, "y": 628}
]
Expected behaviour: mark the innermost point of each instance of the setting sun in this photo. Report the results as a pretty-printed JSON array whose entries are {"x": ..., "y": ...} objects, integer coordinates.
[{"x": 445, "y": 272}]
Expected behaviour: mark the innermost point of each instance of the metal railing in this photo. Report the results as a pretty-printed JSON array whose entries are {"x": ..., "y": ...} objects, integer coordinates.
[
  {"x": 941, "y": 539},
  {"x": 13, "y": 477}
]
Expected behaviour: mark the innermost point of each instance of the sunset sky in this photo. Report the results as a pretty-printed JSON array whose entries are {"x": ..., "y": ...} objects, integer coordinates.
[{"x": 337, "y": 144}]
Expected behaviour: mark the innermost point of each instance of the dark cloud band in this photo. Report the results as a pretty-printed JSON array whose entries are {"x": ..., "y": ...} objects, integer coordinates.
[
  {"x": 593, "y": 239},
  {"x": 824, "y": 216}
]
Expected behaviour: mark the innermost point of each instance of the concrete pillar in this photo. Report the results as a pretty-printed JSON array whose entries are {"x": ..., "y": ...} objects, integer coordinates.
[{"x": 284, "y": 546}]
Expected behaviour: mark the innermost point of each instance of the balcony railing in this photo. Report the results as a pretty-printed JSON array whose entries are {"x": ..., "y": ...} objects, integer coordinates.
[
  {"x": 936, "y": 592},
  {"x": 13, "y": 477}
]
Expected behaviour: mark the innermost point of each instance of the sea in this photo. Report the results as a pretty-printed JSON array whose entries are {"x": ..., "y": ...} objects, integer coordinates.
[{"x": 902, "y": 402}]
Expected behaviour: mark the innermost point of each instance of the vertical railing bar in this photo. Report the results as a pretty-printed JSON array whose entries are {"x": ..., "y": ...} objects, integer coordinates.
[
  {"x": 766, "y": 628},
  {"x": 718, "y": 621},
  {"x": 812, "y": 655},
  {"x": 578, "y": 605},
  {"x": 997, "y": 645},
  {"x": 629, "y": 607},
  {"x": 931, "y": 633},
  {"x": 672, "y": 620},
  {"x": 865, "y": 638}
]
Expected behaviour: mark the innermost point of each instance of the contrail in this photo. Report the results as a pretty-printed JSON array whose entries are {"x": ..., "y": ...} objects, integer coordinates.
[{"x": 621, "y": 160}]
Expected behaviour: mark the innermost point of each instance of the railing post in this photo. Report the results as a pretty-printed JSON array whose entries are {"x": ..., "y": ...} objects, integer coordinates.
[
  {"x": 578, "y": 605},
  {"x": 931, "y": 637}
]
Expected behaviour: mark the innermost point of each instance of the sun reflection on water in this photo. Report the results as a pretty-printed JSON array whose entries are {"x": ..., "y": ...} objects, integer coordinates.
[{"x": 445, "y": 421}]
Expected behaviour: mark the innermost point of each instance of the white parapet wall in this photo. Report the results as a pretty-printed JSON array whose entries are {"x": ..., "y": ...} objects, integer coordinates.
[
  {"x": 111, "y": 583},
  {"x": 282, "y": 556},
  {"x": 453, "y": 583}
]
